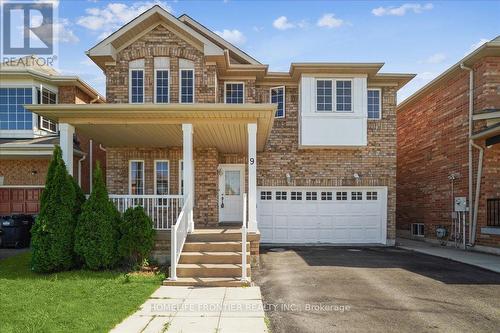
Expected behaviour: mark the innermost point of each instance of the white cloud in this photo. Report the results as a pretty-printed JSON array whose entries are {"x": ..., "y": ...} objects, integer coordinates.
[
  {"x": 232, "y": 36},
  {"x": 402, "y": 10},
  {"x": 114, "y": 15},
  {"x": 329, "y": 21},
  {"x": 436, "y": 58},
  {"x": 257, "y": 28},
  {"x": 477, "y": 45},
  {"x": 282, "y": 23},
  {"x": 63, "y": 32}
]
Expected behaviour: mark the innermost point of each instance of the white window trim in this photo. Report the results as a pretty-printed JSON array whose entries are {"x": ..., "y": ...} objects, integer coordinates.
[
  {"x": 168, "y": 85},
  {"x": 316, "y": 94},
  {"x": 130, "y": 176},
  {"x": 130, "y": 85},
  {"x": 234, "y": 82},
  {"x": 180, "y": 177},
  {"x": 180, "y": 85},
  {"x": 335, "y": 95},
  {"x": 40, "y": 126},
  {"x": 168, "y": 175},
  {"x": 417, "y": 235},
  {"x": 284, "y": 100},
  {"x": 379, "y": 104}
]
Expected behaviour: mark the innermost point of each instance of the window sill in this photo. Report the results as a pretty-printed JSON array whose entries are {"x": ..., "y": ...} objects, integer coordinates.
[{"x": 490, "y": 230}]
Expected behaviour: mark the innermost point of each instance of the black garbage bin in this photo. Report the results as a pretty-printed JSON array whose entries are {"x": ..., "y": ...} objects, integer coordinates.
[{"x": 16, "y": 231}]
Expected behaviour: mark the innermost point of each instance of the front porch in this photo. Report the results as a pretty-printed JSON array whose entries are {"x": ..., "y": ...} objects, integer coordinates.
[{"x": 190, "y": 166}]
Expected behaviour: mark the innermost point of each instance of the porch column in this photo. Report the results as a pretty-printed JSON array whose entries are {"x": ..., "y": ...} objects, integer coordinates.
[
  {"x": 66, "y": 143},
  {"x": 252, "y": 177},
  {"x": 188, "y": 172}
]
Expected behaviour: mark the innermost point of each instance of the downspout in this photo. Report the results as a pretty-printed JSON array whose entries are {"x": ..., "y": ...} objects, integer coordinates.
[
  {"x": 471, "y": 107},
  {"x": 478, "y": 191},
  {"x": 80, "y": 169},
  {"x": 91, "y": 163}
]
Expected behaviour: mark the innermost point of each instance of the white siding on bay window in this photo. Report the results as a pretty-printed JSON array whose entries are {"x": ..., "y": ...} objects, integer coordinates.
[{"x": 320, "y": 129}]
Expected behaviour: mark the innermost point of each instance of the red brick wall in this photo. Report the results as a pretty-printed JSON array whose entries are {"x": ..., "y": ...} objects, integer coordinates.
[{"x": 432, "y": 143}]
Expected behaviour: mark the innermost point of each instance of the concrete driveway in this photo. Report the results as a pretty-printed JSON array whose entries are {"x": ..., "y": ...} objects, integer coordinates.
[
  {"x": 329, "y": 289},
  {"x": 6, "y": 252}
]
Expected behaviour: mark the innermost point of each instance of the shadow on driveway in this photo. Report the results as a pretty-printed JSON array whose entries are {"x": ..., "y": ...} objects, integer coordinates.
[{"x": 6, "y": 252}]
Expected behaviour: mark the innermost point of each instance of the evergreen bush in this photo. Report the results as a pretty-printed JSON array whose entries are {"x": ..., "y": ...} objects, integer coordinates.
[{"x": 137, "y": 236}]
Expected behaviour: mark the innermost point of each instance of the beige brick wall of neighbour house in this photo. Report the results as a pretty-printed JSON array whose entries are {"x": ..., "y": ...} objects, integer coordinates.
[
  {"x": 24, "y": 171},
  {"x": 432, "y": 144},
  {"x": 160, "y": 42}
]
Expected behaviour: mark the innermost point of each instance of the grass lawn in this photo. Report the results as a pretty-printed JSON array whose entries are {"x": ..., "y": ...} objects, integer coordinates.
[{"x": 74, "y": 301}]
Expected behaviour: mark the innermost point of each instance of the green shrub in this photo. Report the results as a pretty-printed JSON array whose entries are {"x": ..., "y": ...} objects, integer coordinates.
[
  {"x": 52, "y": 234},
  {"x": 137, "y": 236},
  {"x": 96, "y": 233}
]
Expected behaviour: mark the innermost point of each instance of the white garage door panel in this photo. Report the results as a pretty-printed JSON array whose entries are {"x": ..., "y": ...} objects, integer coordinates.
[{"x": 328, "y": 219}]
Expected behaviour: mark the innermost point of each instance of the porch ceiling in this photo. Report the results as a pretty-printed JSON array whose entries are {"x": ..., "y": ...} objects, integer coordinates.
[{"x": 222, "y": 126}]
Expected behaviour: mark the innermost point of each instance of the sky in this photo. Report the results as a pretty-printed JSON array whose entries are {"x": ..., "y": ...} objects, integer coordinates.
[{"x": 424, "y": 38}]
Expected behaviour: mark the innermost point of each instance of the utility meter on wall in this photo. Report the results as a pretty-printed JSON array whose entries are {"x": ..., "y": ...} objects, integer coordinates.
[{"x": 460, "y": 204}]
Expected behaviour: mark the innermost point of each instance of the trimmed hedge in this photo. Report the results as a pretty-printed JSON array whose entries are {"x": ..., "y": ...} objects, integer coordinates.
[
  {"x": 96, "y": 234},
  {"x": 137, "y": 236},
  {"x": 52, "y": 233}
]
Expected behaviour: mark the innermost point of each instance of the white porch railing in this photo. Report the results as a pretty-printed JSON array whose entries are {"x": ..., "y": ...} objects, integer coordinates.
[
  {"x": 163, "y": 209},
  {"x": 178, "y": 236},
  {"x": 244, "y": 241}
]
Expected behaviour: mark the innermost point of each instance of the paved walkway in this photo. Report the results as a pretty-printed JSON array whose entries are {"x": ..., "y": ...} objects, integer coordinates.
[
  {"x": 188, "y": 309},
  {"x": 484, "y": 260}
]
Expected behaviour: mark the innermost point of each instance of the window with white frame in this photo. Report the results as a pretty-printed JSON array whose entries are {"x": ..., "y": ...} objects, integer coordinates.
[
  {"x": 187, "y": 86},
  {"x": 136, "y": 177},
  {"x": 181, "y": 177},
  {"x": 341, "y": 196},
  {"x": 235, "y": 93},
  {"x": 266, "y": 195},
  {"x": 370, "y": 195},
  {"x": 374, "y": 104},
  {"x": 324, "y": 95},
  {"x": 417, "y": 229},
  {"x": 162, "y": 175},
  {"x": 343, "y": 94},
  {"x": 356, "y": 196},
  {"x": 277, "y": 95},
  {"x": 137, "y": 86},
  {"x": 311, "y": 196},
  {"x": 326, "y": 196},
  {"x": 13, "y": 115},
  {"x": 162, "y": 88},
  {"x": 294, "y": 195},
  {"x": 280, "y": 195},
  {"x": 45, "y": 96}
]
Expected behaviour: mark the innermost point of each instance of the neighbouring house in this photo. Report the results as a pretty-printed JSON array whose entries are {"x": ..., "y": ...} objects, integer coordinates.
[
  {"x": 27, "y": 140},
  {"x": 193, "y": 126},
  {"x": 434, "y": 167}
]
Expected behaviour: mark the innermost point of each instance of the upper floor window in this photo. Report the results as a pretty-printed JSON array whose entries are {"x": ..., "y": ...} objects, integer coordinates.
[
  {"x": 162, "y": 87},
  {"x": 46, "y": 97},
  {"x": 136, "y": 177},
  {"x": 235, "y": 93},
  {"x": 324, "y": 95},
  {"x": 343, "y": 95},
  {"x": 13, "y": 116},
  {"x": 374, "y": 104},
  {"x": 136, "y": 86},
  {"x": 187, "y": 85},
  {"x": 278, "y": 97}
]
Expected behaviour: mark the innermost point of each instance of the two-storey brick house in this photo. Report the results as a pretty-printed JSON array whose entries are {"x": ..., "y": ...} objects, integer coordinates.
[
  {"x": 193, "y": 122},
  {"x": 448, "y": 135},
  {"x": 27, "y": 140}
]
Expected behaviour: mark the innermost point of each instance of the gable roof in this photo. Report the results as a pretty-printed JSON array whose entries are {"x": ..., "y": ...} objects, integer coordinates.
[
  {"x": 105, "y": 51},
  {"x": 234, "y": 51},
  {"x": 491, "y": 48}
]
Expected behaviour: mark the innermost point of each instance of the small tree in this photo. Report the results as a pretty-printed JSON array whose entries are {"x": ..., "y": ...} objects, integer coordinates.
[
  {"x": 137, "y": 235},
  {"x": 96, "y": 233},
  {"x": 52, "y": 234}
]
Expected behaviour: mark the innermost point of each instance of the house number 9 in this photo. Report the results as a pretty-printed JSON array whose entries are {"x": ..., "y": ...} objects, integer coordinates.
[{"x": 252, "y": 161}]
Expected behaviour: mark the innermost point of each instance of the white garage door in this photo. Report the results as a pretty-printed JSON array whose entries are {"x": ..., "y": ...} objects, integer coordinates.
[{"x": 342, "y": 215}]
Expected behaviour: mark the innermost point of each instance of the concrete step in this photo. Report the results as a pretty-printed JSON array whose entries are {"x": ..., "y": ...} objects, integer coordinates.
[
  {"x": 213, "y": 246},
  {"x": 214, "y": 235},
  {"x": 211, "y": 270},
  {"x": 212, "y": 257},
  {"x": 207, "y": 282}
]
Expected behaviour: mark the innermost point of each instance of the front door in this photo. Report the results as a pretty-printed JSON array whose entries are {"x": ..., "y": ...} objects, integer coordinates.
[{"x": 231, "y": 189}]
